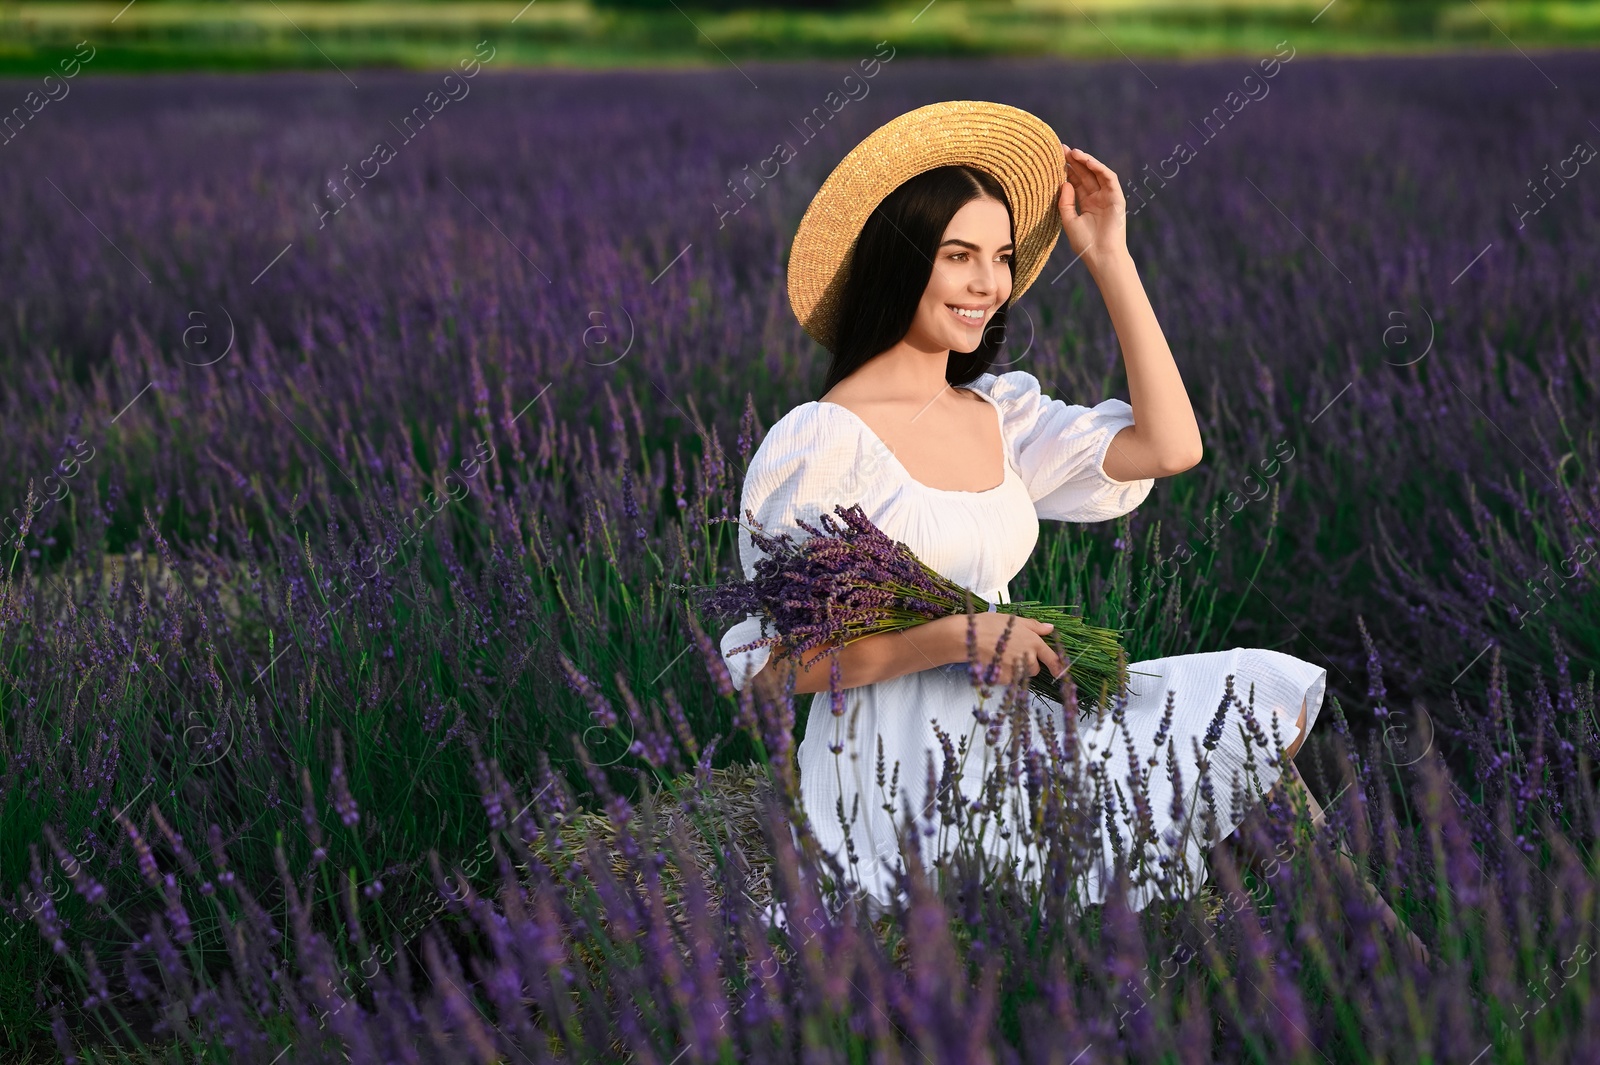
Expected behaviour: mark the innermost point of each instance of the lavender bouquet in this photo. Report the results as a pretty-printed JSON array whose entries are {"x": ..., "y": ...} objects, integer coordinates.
[{"x": 851, "y": 581}]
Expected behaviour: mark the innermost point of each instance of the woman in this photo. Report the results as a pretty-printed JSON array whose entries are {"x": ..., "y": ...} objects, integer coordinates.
[{"x": 904, "y": 268}]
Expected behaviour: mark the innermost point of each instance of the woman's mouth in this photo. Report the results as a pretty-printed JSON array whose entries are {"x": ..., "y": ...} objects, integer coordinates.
[{"x": 970, "y": 316}]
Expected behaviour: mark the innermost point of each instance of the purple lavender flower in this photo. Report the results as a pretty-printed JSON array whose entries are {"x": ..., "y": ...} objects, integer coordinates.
[
  {"x": 848, "y": 579},
  {"x": 343, "y": 801}
]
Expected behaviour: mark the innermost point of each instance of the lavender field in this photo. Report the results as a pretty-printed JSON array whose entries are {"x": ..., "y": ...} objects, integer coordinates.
[{"x": 362, "y": 443}]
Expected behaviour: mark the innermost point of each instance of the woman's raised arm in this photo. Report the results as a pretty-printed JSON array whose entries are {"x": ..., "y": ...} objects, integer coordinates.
[{"x": 1165, "y": 438}]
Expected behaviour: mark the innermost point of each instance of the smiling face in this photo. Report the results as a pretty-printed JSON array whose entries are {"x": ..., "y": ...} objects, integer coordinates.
[{"x": 971, "y": 279}]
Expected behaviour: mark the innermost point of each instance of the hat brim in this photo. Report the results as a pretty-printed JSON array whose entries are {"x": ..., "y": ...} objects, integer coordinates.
[{"x": 1018, "y": 148}]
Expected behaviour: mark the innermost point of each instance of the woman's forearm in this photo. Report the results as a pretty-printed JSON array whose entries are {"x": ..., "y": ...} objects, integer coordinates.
[
  {"x": 1165, "y": 438},
  {"x": 883, "y": 656}
]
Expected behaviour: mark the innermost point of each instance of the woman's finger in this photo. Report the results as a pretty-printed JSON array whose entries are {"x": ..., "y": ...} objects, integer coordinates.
[
  {"x": 1088, "y": 162},
  {"x": 1076, "y": 176},
  {"x": 1067, "y": 201},
  {"x": 1094, "y": 165},
  {"x": 1081, "y": 174},
  {"x": 1096, "y": 170},
  {"x": 1083, "y": 183}
]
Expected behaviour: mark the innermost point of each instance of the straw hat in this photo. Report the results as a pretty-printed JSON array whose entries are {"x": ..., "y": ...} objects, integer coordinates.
[{"x": 1018, "y": 148}]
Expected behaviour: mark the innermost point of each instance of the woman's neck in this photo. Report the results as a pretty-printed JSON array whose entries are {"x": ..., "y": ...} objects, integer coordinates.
[{"x": 901, "y": 373}]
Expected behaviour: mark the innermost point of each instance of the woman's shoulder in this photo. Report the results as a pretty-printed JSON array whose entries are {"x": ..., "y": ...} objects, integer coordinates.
[
  {"x": 807, "y": 432},
  {"x": 803, "y": 425},
  {"x": 813, "y": 443},
  {"x": 1007, "y": 389},
  {"x": 1032, "y": 416}
]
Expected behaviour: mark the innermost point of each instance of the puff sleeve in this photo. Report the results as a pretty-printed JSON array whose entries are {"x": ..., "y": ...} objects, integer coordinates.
[
  {"x": 809, "y": 462},
  {"x": 1059, "y": 450}
]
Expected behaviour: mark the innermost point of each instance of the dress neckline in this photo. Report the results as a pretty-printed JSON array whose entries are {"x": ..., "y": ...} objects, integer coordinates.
[{"x": 1005, "y": 458}]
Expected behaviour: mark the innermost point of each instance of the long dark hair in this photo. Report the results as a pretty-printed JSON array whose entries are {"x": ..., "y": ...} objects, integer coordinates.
[{"x": 891, "y": 267}]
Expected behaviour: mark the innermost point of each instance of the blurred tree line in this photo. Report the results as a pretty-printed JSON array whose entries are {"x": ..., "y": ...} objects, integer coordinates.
[{"x": 735, "y": 5}]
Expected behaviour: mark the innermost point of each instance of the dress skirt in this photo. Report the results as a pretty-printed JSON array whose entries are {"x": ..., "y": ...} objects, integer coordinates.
[{"x": 1224, "y": 705}]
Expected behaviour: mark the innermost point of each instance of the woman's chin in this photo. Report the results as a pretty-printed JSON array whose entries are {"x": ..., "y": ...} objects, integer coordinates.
[{"x": 966, "y": 345}]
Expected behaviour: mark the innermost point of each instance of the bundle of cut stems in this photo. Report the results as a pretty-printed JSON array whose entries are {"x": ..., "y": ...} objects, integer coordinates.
[{"x": 849, "y": 581}]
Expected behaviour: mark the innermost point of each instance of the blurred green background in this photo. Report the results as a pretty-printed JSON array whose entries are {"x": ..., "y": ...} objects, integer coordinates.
[{"x": 275, "y": 34}]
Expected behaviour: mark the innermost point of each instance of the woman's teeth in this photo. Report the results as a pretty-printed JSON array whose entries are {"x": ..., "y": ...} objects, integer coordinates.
[{"x": 971, "y": 316}]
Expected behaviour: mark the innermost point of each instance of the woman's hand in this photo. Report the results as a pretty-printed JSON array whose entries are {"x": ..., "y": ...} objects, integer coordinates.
[
  {"x": 1025, "y": 648},
  {"x": 1102, "y": 229}
]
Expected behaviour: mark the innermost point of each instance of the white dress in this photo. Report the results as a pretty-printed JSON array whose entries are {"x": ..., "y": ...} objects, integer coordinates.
[{"x": 821, "y": 454}]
